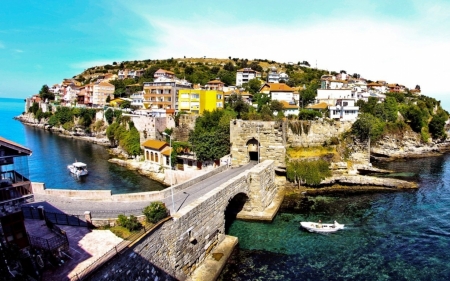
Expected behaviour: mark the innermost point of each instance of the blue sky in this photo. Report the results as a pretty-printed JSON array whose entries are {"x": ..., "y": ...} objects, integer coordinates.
[{"x": 402, "y": 41}]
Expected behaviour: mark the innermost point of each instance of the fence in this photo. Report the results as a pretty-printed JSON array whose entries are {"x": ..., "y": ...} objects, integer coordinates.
[
  {"x": 56, "y": 218},
  {"x": 50, "y": 244},
  {"x": 112, "y": 253}
]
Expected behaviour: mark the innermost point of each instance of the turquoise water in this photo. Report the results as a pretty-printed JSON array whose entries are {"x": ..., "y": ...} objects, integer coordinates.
[
  {"x": 388, "y": 236},
  {"x": 52, "y": 154}
]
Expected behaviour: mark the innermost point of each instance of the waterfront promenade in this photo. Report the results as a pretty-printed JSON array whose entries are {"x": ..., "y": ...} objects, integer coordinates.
[{"x": 111, "y": 209}]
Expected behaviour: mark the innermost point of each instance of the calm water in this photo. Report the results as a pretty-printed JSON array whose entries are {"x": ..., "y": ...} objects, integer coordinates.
[
  {"x": 389, "y": 236},
  {"x": 52, "y": 154}
]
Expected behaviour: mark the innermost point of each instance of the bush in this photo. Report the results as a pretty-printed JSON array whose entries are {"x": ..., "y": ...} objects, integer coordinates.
[
  {"x": 155, "y": 212},
  {"x": 130, "y": 223}
]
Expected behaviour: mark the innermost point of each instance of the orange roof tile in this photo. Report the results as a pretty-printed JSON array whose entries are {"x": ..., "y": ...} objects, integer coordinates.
[
  {"x": 280, "y": 87},
  {"x": 154, "y": 144},
  {"x": 322, "y": 105},
  {"x": 166, "y": 151},
  {"x": 287, "y": 105}
]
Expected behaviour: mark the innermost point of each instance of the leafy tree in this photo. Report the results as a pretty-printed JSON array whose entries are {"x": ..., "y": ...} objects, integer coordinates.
[
  {"x": 155, "y": 212},
  {"x": 45, "y": 93},
  {"x": 211, "y": 135},
  {"x": 229, "y": 66},
  {"x": 261, "y": 99},
  {"x": 109, "y": 115},
  {"x": 131, "y": 143},
  {"x": 252, "y": 86},
  {"x": 276, "y": 105},
  {"x": 266, "y": 113},
  {"x": 309, "y": 94},
  {"x": 437, "y": 124},
  {"x": 237, "y": 103},
  {"x": 111, "y": 132},
  {"x": 125, "y": 104},
  {"x": 368, "y": 126},
  {"x": 391, "y": 109}
]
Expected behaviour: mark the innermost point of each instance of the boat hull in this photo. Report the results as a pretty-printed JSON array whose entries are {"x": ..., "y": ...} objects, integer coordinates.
[{"x": 322, "y": 227}]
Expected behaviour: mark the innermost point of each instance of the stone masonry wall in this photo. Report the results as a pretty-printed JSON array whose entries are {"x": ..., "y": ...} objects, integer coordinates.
[
  {"x": 181, "y": 244},
  {"x": 275, "y": 136}
]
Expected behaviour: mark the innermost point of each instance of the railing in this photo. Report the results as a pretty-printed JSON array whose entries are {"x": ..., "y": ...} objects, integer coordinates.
[
  {"x": 56, "y": 218},
  {"x": 113, "y": 252},
  {"x": 51, "y": 244}
]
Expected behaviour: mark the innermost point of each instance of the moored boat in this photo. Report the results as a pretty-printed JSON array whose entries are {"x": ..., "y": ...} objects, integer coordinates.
[
  {"x": 321, "y": 227},
  {"x": 78, "y": 169}
]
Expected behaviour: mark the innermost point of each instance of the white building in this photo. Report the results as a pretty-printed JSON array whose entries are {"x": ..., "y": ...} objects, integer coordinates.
[
  {"x": 137, "y": 99},
  {"x": 244, "y": 75},
  {"x": 344, "y": 110}
]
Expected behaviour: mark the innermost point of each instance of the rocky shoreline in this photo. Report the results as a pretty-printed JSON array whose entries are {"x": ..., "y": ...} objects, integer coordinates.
[{"x": 388, "y": 149}]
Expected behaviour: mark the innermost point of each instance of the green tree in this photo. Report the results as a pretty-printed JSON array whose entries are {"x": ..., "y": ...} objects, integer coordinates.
[
  {"x": 109, "y": 115},
  {"x": 155, "y": 212},
  {"x": 252, "y": 86},
  {"x": 308, "y": 95},
  {"x": 45, "y": 93},
  {"x": 368, "y": 126},
  {"x": 237, "y": 103},
  {"x": 391, "y": 109},
  {"x": 437, "y": 125},
  {"x": 131, "y": 223},
  {"x": 309, "y": 114}
]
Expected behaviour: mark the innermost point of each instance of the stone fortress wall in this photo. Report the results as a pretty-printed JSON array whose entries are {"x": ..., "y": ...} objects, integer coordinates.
[{"x": 275, "y": 136}]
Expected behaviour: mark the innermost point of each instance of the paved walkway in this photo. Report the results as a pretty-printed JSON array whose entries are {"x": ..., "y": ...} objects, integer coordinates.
[{"x": 113, "y": 209}]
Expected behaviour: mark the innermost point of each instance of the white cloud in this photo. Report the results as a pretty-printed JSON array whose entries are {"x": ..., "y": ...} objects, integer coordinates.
[
  {"x": 18, "y": 51},
  {"x": 411, "y": 50}
]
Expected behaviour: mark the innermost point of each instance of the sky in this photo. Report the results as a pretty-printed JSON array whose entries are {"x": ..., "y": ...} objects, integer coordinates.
[{"x": 403, "y": 41}]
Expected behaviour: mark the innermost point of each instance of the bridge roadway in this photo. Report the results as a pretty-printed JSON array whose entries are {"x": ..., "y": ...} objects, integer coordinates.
[{"x": 113, "y": 209}]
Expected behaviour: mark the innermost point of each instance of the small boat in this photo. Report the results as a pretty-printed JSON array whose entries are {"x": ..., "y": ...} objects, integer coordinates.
[
  {"x": 321, "y": 227},
  {"x": 78, "y": 169}
]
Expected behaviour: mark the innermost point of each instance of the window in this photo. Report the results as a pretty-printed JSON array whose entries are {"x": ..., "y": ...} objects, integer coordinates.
[
  {"x": 195, "y": 96},
  {"x": 219, "y": 97}
]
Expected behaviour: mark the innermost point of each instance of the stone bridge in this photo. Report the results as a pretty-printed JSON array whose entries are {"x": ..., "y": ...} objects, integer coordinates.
[{"x": 181, "y": 244}]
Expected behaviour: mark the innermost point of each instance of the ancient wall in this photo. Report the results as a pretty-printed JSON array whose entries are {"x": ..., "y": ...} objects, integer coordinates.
[{"x": 275, "y": 136}]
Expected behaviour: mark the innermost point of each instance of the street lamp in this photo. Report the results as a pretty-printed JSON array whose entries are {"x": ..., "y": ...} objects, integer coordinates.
[{"x": 170, "y": 163}]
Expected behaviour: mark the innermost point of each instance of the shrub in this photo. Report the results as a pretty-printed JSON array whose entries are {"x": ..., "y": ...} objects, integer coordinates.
[
  {"x": 130, "y": 223},
  {"x": 155, "y": 212}
]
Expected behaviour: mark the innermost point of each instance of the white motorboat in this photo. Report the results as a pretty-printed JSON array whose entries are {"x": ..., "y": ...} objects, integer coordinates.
[
  {"x": 78, "y": 169},
  {"x": 321, "y": 227}
]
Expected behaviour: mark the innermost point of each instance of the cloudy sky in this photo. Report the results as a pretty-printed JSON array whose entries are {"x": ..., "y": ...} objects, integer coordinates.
[{"x": 403, "y": 41}]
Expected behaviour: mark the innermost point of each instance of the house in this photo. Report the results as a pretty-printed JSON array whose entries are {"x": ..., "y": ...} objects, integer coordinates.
[
  {"x": 161, "y": 73},
  {"x": 244, "y": 75},
  {"x": 290, "y": 108},
  {"x": 129, "y": 73},
  {"x": 278, "y": 91},
  {"x": 157, "y": 152},
  {"x": 15, "y": 190},
  {"x": 215, "y": 85},
  {"x": 100, "y": 93},
  {"x": 137, "y": 99},
  {"x": 272, "y": 75},
  {"x": 197, "y": 101},
  {"x": 344, "y": 110},
  {"x": 162, "y": 93}
]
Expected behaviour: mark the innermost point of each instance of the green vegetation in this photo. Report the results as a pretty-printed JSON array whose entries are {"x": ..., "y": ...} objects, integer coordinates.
[
  {"x": 210, "y": 138},
  {"x": 131, "y": 223},
  {"x": 400, "y": 112},
  {"x": 307, "y": 172},
  {"x": 155, "y": 212}
]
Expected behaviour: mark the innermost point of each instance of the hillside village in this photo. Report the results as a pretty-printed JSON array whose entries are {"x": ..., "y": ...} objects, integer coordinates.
[
  {"x": 165, "y": 93},
  {"x": 163, "y": 99}
]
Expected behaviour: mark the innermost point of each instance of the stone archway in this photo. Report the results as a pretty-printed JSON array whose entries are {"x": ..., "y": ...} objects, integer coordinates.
[
  {"x": 253, "y": 149},
  {"x": 235, "y": 205}
]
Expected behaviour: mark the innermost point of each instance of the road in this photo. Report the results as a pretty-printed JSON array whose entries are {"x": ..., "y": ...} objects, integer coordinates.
[{"x": 113, "y": 209}]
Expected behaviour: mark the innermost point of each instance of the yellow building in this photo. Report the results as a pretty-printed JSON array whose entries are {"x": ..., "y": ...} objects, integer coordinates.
[{"x": 196, "y": 100}]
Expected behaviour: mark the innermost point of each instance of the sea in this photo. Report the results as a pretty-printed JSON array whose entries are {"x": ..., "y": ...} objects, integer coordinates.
[
  {"x": 52, "y": 153},
  {"x": 402, "y": 235}
]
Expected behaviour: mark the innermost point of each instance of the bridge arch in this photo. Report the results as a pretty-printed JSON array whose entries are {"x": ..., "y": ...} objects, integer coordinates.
[
  {"x": 253, "y": 148},
  {"x": 235, "y": 205}
]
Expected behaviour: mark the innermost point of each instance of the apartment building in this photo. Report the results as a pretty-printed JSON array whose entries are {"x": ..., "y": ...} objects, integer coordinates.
[
  {"x": 196, "y": 101},
  {"x": 100, "y": 92},
  {"x": 162, "y": 93},
  {"x": 244, "y": 75}
]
